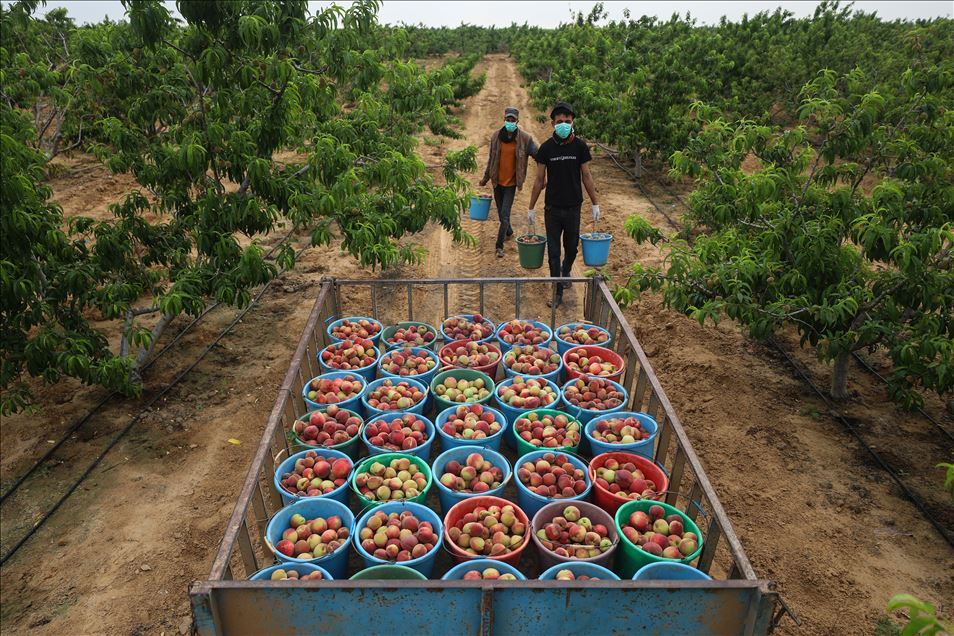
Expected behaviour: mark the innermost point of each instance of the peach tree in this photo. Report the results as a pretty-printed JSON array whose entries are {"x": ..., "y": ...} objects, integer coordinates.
[
  {"x": 251, "y": 117},
  {"x": 840, "y": 228}
]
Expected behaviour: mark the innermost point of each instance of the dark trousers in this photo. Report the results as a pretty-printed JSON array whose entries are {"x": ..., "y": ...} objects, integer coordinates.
[
  {"x": 565, "y": 222},
  {"x": 503, "y": 197}
]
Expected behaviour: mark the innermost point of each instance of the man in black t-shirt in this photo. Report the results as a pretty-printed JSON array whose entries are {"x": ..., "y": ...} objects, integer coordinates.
[{"x": 562, "y": 168}]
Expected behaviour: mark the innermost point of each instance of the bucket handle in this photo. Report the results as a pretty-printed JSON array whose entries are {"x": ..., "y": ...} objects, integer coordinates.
[
  {"x": 476, "y": 557},
  {"x": 615, "y": 542}
]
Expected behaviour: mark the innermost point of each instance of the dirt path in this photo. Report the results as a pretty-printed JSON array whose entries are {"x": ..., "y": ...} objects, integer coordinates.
[{"x": 811, "y": 513}]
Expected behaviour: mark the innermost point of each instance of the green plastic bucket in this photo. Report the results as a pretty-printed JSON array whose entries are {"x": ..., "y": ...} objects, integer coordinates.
[
  {"x": 524, "y": 447},
  {"x": 441, "y": 404},
  {"x": 629, "y": 558},
  {"x": 388, "y": 573},
  {"x": 531, "y": 254},
  {"x": 385, "y": 459}
]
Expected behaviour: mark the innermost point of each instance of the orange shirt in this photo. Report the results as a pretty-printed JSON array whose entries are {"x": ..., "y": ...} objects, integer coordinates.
[{"x": 507, "y": 166}]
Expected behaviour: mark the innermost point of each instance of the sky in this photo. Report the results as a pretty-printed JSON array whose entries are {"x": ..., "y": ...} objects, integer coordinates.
[{"x": 550, "y": 13}]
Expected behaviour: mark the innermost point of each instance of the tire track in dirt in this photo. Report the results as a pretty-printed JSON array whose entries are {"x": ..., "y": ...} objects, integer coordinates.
[{"x": 481, "y": 116}]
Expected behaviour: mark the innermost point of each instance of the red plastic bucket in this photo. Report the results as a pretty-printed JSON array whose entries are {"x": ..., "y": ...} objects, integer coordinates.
[
  {"x": 489, "y": 369},
  {"x": 457, "y": 512},
  {"x": 610, "y": 502},
  {"x": 591, "y": 350}
]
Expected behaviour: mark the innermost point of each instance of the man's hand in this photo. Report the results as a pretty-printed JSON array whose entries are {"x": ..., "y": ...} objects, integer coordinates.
[
  {"x": 596, "y": 213},
  {"x": 483, "y": 182}
]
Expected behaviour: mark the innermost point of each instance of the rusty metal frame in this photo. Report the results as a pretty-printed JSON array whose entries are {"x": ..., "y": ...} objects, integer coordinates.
[{"x": 242, "y": 548}]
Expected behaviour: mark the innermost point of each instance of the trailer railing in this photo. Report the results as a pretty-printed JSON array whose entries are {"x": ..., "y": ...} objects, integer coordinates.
[{"x": 226, "y": 603}]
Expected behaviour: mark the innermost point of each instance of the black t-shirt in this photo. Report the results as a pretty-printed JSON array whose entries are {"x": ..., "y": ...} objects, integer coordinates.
[{"x": 564, "y": 178}]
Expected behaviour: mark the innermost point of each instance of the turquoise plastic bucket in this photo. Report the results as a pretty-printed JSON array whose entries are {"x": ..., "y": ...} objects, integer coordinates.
[
  {"x": 423, "y": 451},
  {"x": 338, "y": 494},
  {"x": 479, "y": 207},
  {"x": 504, "y": 347},
  {"x": 365, "y": 372},
  {"x": 352, "y": 404},
  {"x": 670, "y": 572},
  {"x": 585, "y": 415},
  {"x": 424, "y": 564},
  {"x": 265, "y": 574},
  {"x": 596, "y": 248},
  {"x": 512, "y": 414},
  {"x": 580, "y": 569},
  {"x": 492, "y": 442},
  {"x": 563, "y": 346},
  {"x": 643, "y": 447},
  {"x": 374, "y": 413},
  {"x": 424, "y": 378},
  {"x": 389, "y": 332},
  {"x": 336, "y": 563},
  {"x": 450, "y": 497},
  {"x": 388, "y": 573},
  {"x": 457, "y": 572},
  {"x": 352, "y": 447},
  {"x": 531, "y": 502},
  {"x": 376, "y": 338}
]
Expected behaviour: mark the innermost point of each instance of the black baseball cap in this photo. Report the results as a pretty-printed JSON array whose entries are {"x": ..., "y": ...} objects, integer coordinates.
[{"x": 561, "y": 107}]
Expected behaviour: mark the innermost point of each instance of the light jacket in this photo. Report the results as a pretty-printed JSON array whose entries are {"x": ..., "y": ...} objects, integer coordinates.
[{"x": 526, "y": 148}]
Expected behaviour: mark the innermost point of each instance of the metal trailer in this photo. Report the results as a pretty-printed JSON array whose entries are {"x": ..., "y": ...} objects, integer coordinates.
[{"x": 736, "y": 601}]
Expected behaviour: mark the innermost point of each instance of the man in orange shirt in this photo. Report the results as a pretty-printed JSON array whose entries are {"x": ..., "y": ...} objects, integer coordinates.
[{"x": 510, "y": 149}]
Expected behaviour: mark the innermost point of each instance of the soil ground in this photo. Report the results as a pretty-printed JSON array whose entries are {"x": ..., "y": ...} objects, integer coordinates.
[{"x": 812, "y": 511}]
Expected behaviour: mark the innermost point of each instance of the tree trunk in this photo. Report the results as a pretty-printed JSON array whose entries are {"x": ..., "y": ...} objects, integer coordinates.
[
  {"x": 839, "y": 377},
  {"x": 157, "y": 330},
  {"x": 638, "y": 160}
]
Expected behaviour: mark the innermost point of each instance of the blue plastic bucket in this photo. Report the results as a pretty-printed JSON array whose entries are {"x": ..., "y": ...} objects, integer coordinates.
[
  {"x": 365, "y": 372},
  {"x": 492, "y": 441},
  {"x": 423, "y": 451},
  {"x": 450, "y": 497},
  {"x": 447, "y": 339},
  {"x": 512, "y": 414},
  {"x": 374, "y": 413},
  {"x": 338, "y": 494},
  {"x": 670, "y": 572},
  {"x": 596, "y": 250},
  {"x": 580, "y": 569},
  {"x": 336, "y": 563},
  {"x": 531, "y": 502},
  {"x": 585, "y": 415},
  {"x": 352, "y": 404},
  {"x": 504, "y": 347},
  {"x": 457, "y": 572},
  {"x": 564, "y": 346},
  {"x": 424, "y": 564},
  {"x": 479, "y": 207},
  {"x": 642, "y": 447},
  {"x": 553, "y": 376},
  {"x": 376, "y": 338},
  {"x": 265, "y": 574},
  {"x": 425, "y": 377}
]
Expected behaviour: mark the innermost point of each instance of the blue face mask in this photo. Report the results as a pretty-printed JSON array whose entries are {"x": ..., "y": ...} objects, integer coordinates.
[
  {"x": 510, "y": 126},
  {"x": 563, "y": 130}
]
